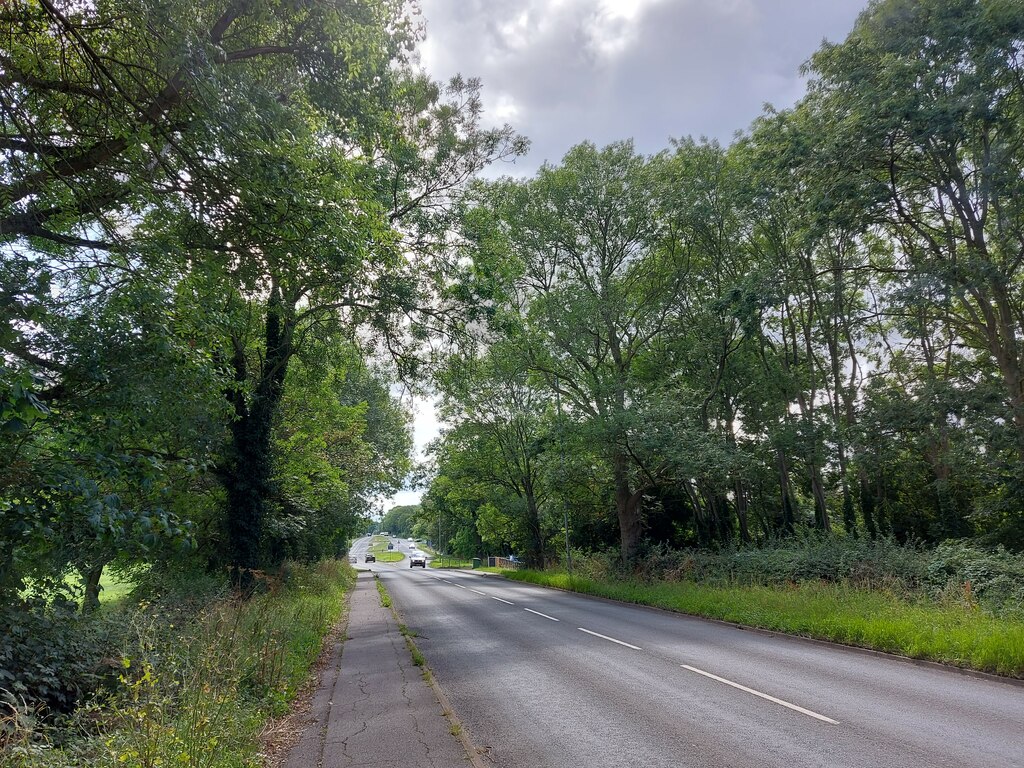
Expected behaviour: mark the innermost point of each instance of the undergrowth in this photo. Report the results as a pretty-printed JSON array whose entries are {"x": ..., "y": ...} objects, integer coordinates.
[{"x": 197, "y": 675}]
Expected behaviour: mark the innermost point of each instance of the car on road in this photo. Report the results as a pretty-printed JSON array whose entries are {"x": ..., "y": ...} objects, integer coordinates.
[
  {"x": 418, "y": 559},
  {"x": 370, "y": 558}
]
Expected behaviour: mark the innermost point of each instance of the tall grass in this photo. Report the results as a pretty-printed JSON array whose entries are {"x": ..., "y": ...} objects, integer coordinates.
[
  {"x": 196, "y": 691},
  {"x": 954, "y": 630}
]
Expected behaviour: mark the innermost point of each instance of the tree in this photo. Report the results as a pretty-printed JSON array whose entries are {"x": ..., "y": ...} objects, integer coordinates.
[
  {"x": 399, "y": 520},
  {"x": 278, "y": 162},
  {"x": 498, "y": 418},
  {"x": 598, "y": 274},
  {"x": 924, "y": 106}
]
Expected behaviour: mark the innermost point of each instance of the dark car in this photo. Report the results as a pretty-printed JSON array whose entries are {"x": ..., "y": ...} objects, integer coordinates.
[
  {"x": 370, "y": 558},
  {"x": 419, "y": 560}
]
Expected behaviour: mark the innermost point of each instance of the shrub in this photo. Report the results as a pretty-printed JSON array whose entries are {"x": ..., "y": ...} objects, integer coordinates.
[
  {"x": 958, "y": 570},
  {"x": 995, "y": 577},
  {"x": 49, "y": 654}
]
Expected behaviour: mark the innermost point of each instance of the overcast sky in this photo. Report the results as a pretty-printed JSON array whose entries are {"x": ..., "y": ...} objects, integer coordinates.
[{"x": 565, "y": 71}]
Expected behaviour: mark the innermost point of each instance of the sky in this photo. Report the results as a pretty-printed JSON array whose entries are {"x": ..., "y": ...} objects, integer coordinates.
[{"x": 565, "y": 71}]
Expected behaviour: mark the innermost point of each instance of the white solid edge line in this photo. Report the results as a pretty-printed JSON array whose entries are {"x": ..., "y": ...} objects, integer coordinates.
[
  {"x": 500, "y": 600},
  {"x": 541, "y": 614},
  {"x": 605, "y": 637},
  {"x": 786, "y": 704}
]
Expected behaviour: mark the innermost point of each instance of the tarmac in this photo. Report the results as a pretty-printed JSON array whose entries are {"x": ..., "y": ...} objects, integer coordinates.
[{"x": 373, "y": 708}]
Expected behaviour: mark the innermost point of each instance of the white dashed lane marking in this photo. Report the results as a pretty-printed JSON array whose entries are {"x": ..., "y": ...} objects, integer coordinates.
[
  {"x": 538, "y": 613},
  {"x": 786, "y": 704},
  {"x": 612, "y": 639}
]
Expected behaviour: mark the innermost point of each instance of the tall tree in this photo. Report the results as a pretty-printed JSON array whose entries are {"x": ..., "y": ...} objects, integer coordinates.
[
  {"x": 279, "y": 159},
  {"x": 924, "y": 102},
  {"x": 599, "y": 273}
]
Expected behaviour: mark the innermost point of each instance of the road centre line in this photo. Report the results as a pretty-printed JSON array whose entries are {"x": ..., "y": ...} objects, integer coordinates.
[
  {"x": 786, "y": 704},
  {"x": 479, "y": 592},
  {"x": 500, "y": 600},
  {"x": 605, "y": 637},
  {"x": 541, "y": 614}
]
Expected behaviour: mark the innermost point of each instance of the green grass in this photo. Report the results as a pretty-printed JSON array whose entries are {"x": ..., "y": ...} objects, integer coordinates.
[
  {"x": 379, "y": 548},
  {"x": 450, "y": 562},
  {"x": 199, "y": 691},
  {"x": 920, "y": 629},
  {"x": 114, "y": 588},
  {"x": 385, "y": 598}
]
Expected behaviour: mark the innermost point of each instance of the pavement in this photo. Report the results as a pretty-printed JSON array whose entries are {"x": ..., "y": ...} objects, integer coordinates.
[{"x": 372, "y": 707}]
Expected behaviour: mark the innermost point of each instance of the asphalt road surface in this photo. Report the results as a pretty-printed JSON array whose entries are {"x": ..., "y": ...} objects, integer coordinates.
[{"x": 545, "y": 678}]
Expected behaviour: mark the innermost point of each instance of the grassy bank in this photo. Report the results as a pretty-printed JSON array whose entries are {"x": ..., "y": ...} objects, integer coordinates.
[
  {"x": 958, "y": 634},
  {"x": 194, "y": 685}
]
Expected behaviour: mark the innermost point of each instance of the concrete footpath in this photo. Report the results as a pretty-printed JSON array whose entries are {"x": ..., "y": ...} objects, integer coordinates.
[{"x": 372, "y": 707}]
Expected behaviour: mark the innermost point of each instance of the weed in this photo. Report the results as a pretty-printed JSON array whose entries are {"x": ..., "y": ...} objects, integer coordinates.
[
  {"x": 197, "y": 682},
  {"x": 385, "y": 598},
  {"x": 417, "y": 657}
]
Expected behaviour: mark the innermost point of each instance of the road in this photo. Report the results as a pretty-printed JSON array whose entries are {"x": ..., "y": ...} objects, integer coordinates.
[
  {"x": 546, "y": 678},
  {"x": 405, "y": 546}
]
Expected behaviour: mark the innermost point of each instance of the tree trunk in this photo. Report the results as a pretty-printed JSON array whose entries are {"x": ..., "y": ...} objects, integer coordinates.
[
  {"x": 700, "y": 516},
  {"x": 741, "y": 508},
  {"x": 248, "y": 477},
  {"x": 628, "y": 508},
  {"x": 867, "y": 504},
  {"x": 535, "y": 542},
  {"x": 788, "y": 521},
  {"x": 821, "y": 518},
  {"x": 91, "y": 579}
]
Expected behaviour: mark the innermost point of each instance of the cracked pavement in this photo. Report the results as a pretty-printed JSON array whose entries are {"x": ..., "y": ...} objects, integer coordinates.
[{"x": 372, "y": 707}]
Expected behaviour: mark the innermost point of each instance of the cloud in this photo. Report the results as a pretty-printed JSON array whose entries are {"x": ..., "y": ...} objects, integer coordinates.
[{"x": 565, "y": 71}]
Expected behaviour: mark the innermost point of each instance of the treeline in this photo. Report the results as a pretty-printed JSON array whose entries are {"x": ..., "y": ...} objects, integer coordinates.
[
  {"x": 224, "y": 227},
  {"x": 817, "y": 326}
]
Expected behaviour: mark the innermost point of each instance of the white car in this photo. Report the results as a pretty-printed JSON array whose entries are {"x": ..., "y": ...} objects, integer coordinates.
[{"x": 418, "y": 559}]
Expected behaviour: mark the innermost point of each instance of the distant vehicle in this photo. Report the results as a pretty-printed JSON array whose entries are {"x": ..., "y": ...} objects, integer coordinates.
[
  {"x": 419, "y": 560},
  {"x": 390, "y": 545},
  {"x": 370, "y": 558},
  {"x": 384, "y": 533}
]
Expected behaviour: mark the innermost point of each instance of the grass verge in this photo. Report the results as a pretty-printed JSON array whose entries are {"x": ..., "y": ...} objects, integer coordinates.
[
  {"x": 920, "y": 629},
  {"x": 450, "y": 562},
  {"x": 198, "y": 693},
  {"x": 379, "y": 547}
]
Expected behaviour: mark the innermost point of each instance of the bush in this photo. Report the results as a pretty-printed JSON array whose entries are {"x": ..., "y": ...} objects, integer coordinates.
[
  {"x": 993, "y": 578},
  {"x": 194, "y": 672},
  {"x": 49, "y": 654},
  {"x": 809, "y": 558}
]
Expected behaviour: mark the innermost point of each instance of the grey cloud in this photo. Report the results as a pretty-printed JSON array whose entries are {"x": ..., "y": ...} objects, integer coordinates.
[{"x": 689, "y": 67}]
